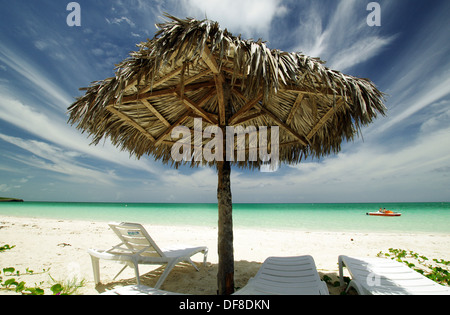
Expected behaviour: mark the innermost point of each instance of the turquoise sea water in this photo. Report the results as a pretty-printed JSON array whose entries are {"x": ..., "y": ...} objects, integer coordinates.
[{"x": 416, "y": 217}]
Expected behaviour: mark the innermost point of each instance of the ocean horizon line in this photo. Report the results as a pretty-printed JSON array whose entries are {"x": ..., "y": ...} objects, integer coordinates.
[
  {"x": 415, "y": 216},
  {"x": 238, "y": 203}
]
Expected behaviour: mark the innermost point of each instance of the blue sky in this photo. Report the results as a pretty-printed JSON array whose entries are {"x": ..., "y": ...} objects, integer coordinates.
[{"x": 402, "y": 157}]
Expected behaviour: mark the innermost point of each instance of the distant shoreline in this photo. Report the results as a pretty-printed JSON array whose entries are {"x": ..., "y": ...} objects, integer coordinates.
[{"x": 10, "y": 200}]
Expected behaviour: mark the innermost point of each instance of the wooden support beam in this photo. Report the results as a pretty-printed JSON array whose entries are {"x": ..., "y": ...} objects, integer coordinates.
[
  {"x": 324, "y": 119},
  {"x": 197, "y": 109},
  {"x": 220, "y": 99},
  {"x": 323, "y": 91},
  {"x": 210, "y": 61},
  {"x": 130, "y": 85},
  {"x": 161, "y": 80},
  {"x": 206, "y": 98},
  {"x": 131, "y": 122},
  {"x": 181, "y": 120},
  {"x": 246, "y": 118},
  {"x": 164, "y": 92},
  {"x": 244, "y": 109},
  {"x": 148, "y": 95},
  {"x": 197, "y": 76},
  {"x": 155, "y": 112},
  {"x": 301, "y": 139},
  {"x": 294, "y": 108},
  {"x": 314, "y": 109}
]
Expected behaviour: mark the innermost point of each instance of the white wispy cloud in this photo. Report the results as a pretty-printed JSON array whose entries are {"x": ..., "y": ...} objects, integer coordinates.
[
  {"x": 34, "y": 76},
  {"x": 199, "y": 183},
  {"x": 120, "y": 20},
  {"x": 53, "y": 128},
  {"x": 418, "y": 80},
  {"x": 358, "y": 52},
  {"x": 4, "y": 188},
  {"x": 246, "y": 17},
  {"x": 52, "y": 158},
  {"x": 343, "y": 39},
  {"x": 369, "y": 173},
  {"x": 423, "y": 97}
]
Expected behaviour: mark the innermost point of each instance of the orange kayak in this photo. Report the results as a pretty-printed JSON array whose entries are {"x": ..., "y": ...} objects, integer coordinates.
[{"x": 385, "y": 214}]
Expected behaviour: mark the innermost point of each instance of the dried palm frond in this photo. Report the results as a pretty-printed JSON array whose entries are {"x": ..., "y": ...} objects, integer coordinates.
[{"x": 180, "y": 74}]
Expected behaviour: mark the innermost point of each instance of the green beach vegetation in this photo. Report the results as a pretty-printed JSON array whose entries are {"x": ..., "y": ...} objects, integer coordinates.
[
  {"x": 434, "y": 269},
  {"x": 8, "y": 281}
]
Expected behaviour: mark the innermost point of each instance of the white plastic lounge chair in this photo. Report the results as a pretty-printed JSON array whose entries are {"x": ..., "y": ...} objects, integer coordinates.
[
  {"x": 137, "y": 247},
  {"x": 385, "y": 276},
  {"x": 286, "y": 276}
]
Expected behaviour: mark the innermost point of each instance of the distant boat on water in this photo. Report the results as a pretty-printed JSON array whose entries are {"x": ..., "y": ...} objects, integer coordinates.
[{"x": 384, "y": 213}]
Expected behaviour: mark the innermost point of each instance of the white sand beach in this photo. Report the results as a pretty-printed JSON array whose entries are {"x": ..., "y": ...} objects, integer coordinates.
[{"x": 61, "y": 246}]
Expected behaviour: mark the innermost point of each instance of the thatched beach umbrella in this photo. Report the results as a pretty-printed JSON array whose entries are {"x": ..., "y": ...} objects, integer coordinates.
[{"x": 193, "y": 86}]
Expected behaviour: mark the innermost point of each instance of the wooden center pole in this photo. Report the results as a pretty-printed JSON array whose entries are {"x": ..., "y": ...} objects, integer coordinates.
[{"x": 225, "y": 275}]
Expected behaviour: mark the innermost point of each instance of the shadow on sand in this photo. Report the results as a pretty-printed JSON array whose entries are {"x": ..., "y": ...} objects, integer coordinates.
[{"x": 185, "y": 279}]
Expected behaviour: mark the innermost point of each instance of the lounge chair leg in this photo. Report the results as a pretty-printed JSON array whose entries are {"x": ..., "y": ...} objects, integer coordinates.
[
  {"x": 166, "y": 272},
  {"x": 136, "y": 271},
  {"x": 121, "y": 270},
  {"x": 192, "y": 263},
  {"x": 348, "y": 287},
  {"x": 341, "y": 272},
  {"x": 356, "y": 286},
  {"x": 96, "y": 269},
  {"x": 205, "y": 256}
]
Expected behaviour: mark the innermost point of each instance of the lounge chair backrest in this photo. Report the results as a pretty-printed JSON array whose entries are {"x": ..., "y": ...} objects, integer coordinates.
[
  {"x": 385, "y": 276},
  {"x": 136, "y": 239},
  {"x": 289, "y": 272},
  {"x": 288, "y": 276}
]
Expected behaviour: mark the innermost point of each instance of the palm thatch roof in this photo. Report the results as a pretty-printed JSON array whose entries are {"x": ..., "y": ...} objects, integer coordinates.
[{"x": 193, "y": 69}]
